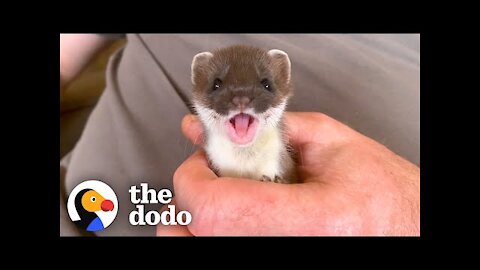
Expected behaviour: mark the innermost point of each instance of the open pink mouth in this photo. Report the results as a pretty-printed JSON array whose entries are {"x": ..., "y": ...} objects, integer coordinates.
[{"x": 241, "y": 128}]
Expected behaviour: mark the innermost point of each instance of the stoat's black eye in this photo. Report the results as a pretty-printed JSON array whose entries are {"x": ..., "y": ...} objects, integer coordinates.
[
  {"x": 216, "y": 84},
  {"x": 266, "y": 84}
]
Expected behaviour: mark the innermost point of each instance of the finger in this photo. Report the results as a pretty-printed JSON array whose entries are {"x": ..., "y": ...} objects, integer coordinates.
[
  {"x": 194, "y": 169},
  {"x": 310, "y": 127},
  {"x": 192, "y": 129},
  {"x": 192, "y": 178},
  {"x": 298, "y": 128},
  {"x": 172, "y": 230}
]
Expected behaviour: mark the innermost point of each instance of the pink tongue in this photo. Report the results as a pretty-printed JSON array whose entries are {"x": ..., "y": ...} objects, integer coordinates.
[{"x": 241, "y": 124}]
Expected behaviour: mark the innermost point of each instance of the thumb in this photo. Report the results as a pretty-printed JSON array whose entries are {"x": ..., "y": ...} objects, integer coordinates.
[{"x": 192, "y": 129}]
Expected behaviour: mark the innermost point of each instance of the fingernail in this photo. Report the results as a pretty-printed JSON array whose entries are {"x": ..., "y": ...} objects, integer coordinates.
[{"x": 191, "y": 118}]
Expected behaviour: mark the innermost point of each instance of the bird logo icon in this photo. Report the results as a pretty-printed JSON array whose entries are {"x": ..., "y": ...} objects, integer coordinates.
[{"x": 92, "y": 205}]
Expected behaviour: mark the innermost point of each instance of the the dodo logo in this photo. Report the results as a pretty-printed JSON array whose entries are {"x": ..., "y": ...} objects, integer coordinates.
[{"x": 92, "y": 205}]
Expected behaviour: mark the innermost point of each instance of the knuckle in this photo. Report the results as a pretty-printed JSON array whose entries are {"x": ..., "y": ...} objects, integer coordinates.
[{"x": 179, "y": 175}]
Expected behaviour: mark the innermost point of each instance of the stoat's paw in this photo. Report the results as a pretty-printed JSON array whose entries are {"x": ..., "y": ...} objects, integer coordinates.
[
  {"x": 280, "y": 180},
  {"x": 266, "y": 179},
  {"x": 276, "y": 179}
]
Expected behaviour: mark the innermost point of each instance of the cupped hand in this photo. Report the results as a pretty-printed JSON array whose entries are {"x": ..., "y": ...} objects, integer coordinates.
[{"x": 350, "y": 185}]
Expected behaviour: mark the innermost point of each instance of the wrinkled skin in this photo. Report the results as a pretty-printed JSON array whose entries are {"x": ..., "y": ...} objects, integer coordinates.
[{"x": 350, "y": 185}]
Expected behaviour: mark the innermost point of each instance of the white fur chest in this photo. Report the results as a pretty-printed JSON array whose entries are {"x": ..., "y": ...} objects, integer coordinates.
[{"x": 262, "y": 158}]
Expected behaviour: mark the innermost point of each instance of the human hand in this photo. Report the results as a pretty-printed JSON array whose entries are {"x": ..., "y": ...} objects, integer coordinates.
[
  {"x": 350, "y": 185},
  {"x": 76, "y": 51}
]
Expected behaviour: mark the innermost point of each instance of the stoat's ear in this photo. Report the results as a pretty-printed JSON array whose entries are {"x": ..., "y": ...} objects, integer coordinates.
[
  {"x": 281, "y": 63},
  {"x": 198, "y": 64}
]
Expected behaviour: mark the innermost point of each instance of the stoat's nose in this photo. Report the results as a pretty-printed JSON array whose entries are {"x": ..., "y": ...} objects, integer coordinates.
[{"x": 241, "y": 102}]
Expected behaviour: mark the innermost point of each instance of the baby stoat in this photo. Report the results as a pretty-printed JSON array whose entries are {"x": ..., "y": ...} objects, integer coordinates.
[{"x": 240, "y": 94}]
